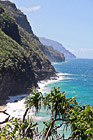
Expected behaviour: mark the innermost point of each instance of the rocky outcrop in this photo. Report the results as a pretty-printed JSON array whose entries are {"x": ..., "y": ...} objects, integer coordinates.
[{"x": 57, "y": 46}]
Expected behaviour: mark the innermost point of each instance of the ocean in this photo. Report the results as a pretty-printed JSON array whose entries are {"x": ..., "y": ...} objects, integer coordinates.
[{"x": 75, "y": 78}]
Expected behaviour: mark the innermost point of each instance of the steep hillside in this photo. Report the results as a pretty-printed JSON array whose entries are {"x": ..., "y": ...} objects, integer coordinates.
[
  {"x": 53, "y": 55},
  {"x": 59, "y": 47},
  {"x": 21, "y": 19},
  {"x": 8, "y": 26},
  {"x": 16, "y": 72},
  {"x": 22, "y": 62}
]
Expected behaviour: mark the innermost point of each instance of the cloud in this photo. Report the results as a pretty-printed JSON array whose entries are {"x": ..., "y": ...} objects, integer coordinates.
[{"x": 35, "y": 8}]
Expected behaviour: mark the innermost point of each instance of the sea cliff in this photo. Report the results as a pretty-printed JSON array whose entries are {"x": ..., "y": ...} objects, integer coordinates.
[{"x": 22, "y": 61}]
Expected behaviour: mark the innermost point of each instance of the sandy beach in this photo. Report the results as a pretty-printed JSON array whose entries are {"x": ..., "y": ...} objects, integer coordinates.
[{"x": 3, "y": 107}]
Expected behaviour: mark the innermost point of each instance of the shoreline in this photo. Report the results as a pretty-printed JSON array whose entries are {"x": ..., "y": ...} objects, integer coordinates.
[
  {"x": 3, "y": 107},
  {"x": 16, "y": 98},
  {"x": 42, "y": 87},
  {"x": 17, "y": 109},
  {"x": 15, "y": 104},
  {"x": 41, "y": 84}
]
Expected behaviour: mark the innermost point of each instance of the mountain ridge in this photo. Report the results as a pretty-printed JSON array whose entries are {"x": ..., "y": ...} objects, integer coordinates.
[
  {"x": 58, "y": 46},
  {"x": 21, "y": 19}
]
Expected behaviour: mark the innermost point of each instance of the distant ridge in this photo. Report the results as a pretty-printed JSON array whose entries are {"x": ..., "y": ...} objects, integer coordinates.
[
  {"x": 57, "y": 46},
  {"x": 21, "y": 19}
]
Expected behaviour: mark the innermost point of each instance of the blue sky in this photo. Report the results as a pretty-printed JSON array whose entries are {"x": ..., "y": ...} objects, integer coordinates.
[{"x": 69, "y": 22}]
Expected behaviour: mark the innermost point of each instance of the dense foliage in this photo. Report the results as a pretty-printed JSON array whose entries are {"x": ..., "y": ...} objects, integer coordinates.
[
  {"x": 11, "y": 53},
  {"x": 22, "y": 61},
  {"x": 8, "y": 25},
  {"x": 30, "y": 43},
  {"x": 20, "y": 18},
  {"x": 64, "y": 110}
]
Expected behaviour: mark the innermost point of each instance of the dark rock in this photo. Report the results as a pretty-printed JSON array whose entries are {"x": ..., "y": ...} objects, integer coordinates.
[{"x": 16, "y": 101}]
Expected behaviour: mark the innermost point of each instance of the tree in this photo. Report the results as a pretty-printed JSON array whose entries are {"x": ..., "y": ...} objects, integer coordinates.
[
  {"x": 64, "y": 110},
  {"x": 34, "y": 99}
]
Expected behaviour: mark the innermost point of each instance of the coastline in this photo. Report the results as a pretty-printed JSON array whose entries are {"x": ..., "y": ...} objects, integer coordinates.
[
  {"x": 43, "y": 85},
  {"x": 17, "y": 109},
  {"x": 18, "y": 97},
  {"x": 15, "y": 104}
]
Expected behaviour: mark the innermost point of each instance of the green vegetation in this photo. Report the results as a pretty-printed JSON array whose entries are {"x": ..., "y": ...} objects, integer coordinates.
[
  {"x": 11, "y": 53},
  {"x": 21, "y": 20},
  {"x": 52, "y": 54},
  {"x": 30, "y": 43},
  {"x": 8, "y": 25},
  {"x": 64, "y": 110},
  {"x": 33, "y": 48},
  {"x": 22, "y": 61}
]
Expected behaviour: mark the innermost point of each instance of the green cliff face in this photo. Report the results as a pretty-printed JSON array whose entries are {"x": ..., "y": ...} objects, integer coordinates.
[
  {"x": 53, "y": 55},
  {"x": 16, "y": 72},
  {"x": 8, "y": 26},
  {"x": 20, "y": 18},
  {"x": 57, "y": 46},
  {"x": 22, "y": 62}
]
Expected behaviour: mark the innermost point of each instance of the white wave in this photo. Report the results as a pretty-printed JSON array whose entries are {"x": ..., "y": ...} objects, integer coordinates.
[
  {"x": 17, "y": 109},
  {"x": 43, "y": 85},
  {"x": 15, "y": 98},
  {"x": 56, "y": 63},
  {"x": 14, "y": 110},
  {"x": 61, "y": 74}
]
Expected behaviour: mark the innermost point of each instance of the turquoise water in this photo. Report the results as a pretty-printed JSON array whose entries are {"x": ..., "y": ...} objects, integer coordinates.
[{"x": 77, "y": 79}]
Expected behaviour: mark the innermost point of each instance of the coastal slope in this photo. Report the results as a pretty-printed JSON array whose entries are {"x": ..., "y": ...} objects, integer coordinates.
[
  {"x": 53, "y": 55},
  {"x": 57, "y": 46},
  {"x": 22, "y": 61},
  {"x": 21, "y": 19}
]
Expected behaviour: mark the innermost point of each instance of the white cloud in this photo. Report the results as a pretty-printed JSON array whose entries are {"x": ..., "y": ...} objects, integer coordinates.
[{"x": 35, "y": 8}]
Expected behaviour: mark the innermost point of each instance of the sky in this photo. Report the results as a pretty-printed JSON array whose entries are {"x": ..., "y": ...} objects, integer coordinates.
[{"x": 69, "y": 22}]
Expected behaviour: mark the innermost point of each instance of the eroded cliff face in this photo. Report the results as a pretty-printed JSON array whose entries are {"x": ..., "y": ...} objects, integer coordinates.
[{"x": 22, "y": 61}]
